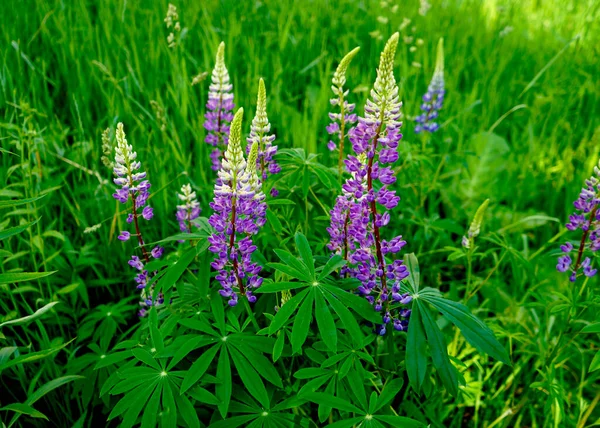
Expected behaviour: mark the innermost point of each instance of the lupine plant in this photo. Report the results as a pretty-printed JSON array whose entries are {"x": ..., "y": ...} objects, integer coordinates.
[{"x": 433, "y": 99}]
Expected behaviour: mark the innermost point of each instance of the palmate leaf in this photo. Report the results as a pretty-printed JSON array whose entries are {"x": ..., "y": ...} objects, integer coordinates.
[
  {"x": 416, "y": 350},
  {"x": 302, "y": 321}
]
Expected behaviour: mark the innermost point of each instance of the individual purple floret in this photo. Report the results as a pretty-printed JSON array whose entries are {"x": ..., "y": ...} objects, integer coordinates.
[
  {"x": 134, "y": 186},
  {"x": 587, "y": 218},
  {"x": 219, "y": 109},
  {"x": 188, "y": 210},
  {"x": 260, "y": 134},
  {"x": 363, "y": 208},
  {"x": 239, "y": 212},
  {"x": 433, "y": 99}
]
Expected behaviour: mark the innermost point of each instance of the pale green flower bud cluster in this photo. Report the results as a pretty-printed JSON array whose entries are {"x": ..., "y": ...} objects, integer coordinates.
[
  {"x": 233, "y": 164},
  {"x": 172, "y": 21},
  {"x": 106, "y": 149},
  {"x": 475, "y": 227}
]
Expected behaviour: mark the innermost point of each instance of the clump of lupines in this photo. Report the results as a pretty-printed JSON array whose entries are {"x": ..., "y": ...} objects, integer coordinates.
[
  {"x": 587, "y": 219},
  {"x": 239, "y": 212},
  {"x": 355, "y": 219},
  {"x": 434, "y": 97},
  {"x": 475, "y": 227},
  {"x": 188, "y": 210},
  {"x": 219, "y": 108},
  {"x": 260, "y": 134},
  {"x": 345, "y": 117},
  {"x": 134, "y": 186}
]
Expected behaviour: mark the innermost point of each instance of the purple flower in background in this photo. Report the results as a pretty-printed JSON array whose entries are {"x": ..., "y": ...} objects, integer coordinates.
[
  {"x": 134, "y": 186},
  {"x": 219, "y": 108},
  {"x": 260, "y": 134},
  {"x": 345, "y": 117},
  {"x": 239, "y": 212},
  {"x": 188, "y": 210},
  {"x": 587, "y": 219},
  {"x": 363, "y": 208},
  {"x": 433, "y": 99}
]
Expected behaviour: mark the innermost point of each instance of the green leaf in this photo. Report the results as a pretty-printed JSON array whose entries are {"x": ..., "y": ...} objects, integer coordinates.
[
  {"x": 278, "y": 348},
  {"x": 390, "y": 390},
  {"x": 216, "y": 305},
  {"x": 475, "y": 331},
  {"x": 33, "y": 356},
  {"x": 203, "y": 396},
  {"x": 414, "y": 277},
  {"x": 357, "y": 387},
  {"x": 592, "y": 328},
  {"x": 113, "y": 358},
  {"x": 136, "y": 405},
  {"x": 399, "y": 421},
  {"x": 11, "y": 278},
  {"x": 15, "y": 230},
  {"x": 31, "y": 317},
  {"x": 224, "y": 388},
  {"x": 233, "y": 422},
  {"x": 157, "y": 340},
  {"x": 280, "y": 286},
  {"x": 325, "y": 322},
  {"x": 150, "y": 416},
  {"x": 333, "y": 401},
  {"x": 191, "y": 343},
  {"x": 50, "y": 386},
  {"x": 24, "y": 409},
  {"x": 305, "y": 253},
  {"x": 439, "y": 351},
  {"x": 174, "y": 272},
  {"x": 199, "y": 367},
  {"x": 146, "y": 357},
  {"x": 333, "y": 264},
  {"x": 348, "y": 423},
  {"x": 416, "y": 350},
  {"x": 187, "y": 412},
  {"x": 250, "y": 378},
  {"x": 17, "y": 202},
  {"x": 286, "y": 310},
  {"x": 357, "y": 303},
  {"x": 260, "y": 363},
  {"x": 301, "y": 321},
  {"x": 132, "y": 398},
  {"x": 595, "y": 364},
  {"x": 348, "y": 320}
]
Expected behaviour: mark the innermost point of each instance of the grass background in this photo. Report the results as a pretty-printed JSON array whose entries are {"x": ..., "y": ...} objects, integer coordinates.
[{"x": 525, "y": 70}]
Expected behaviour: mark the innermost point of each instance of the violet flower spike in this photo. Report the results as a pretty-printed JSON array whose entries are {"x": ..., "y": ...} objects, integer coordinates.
[
  {"x": 219, "y": 108},
  {"x": 433, "y": 99},
  {"x": 134, "y": 186},
  {"x": 363, "y": 208},
  {"x": 189, "y": 209},
  {"x": 260, "y": 134},
  {"x": 587, "y": 218},
  {"x": 239, "y": 212},
  {"x": 339, "y": 121}
]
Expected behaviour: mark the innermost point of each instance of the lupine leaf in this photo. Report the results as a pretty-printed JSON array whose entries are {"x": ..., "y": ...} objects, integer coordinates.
[
  {"x": 400, "y": 421},
  {"x": 280, "y": 286},
  {"x": 157, "y": 340},
  {"x": 347, "y": 423},
  {"x": 439, "y": 351},
  {"x": 278, "y": 348},
  {"x": 357, "y": 387},
  {"x": 51, "y": 386},
  {"x": 24, "y": 409},
  {"x": 113, "y": 358},
  {"x": 301, "y": 321},
  {"x": 305, "y": 252},
  {"x": 592, "y": 328},
  {"x": 17, "y": 202},
  {"x": 416, "y": 350},
  {"x": 357, "y": 303},
  {"x": 290, "y": 271},
  {"x": 172, "y": 274},
  {"x": 195, "y": 372},
  {"x": 29, "y": 318},
  {"x": 250, "y": 378},
  {"x": 187, "y": 411},
  {"x": 475, "y": 331},
  {"x": 261, "y": 364},
  {"x": 169, "y": 413},
  {"x": 332, "y": 265},
  {"x": 224, "y": 387},
  {"x": 595, "y": 364},
  {"x": 203, "y": 396},
  {"x": 150, "y": 415},
  {"x": 333, "y": 401},
  {"x": 192, "y": 342},
  {"x": 16, "y": 230},
  {"x": 347, "y": 319},
  {"x": 390, "y": 390},
  {"x": 233, "y": 422},
  {"x": 325, "y": 322},
  {"x": 145, "y": 357},
  {"x": 216, "y": 305},
  {"x": 414, "y": 277},
  {"x": 140, "y": 393},
  {"x": 137, "y": 404},
  {"x": 286, "y": 310},
  {"x": 11, "y": 278}
]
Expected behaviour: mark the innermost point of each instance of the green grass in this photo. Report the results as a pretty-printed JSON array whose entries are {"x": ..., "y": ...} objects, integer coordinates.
[{"x": 70, "y": 69}]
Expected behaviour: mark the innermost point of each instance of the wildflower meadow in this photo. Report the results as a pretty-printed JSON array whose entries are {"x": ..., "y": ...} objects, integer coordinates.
[{"x": 286, "y": 213}]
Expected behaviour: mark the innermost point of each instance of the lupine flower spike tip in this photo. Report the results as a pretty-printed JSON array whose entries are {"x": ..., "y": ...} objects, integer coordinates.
[
  {"x": 135, "y": 187},
  {"x": 188, "y": 210},
  {"x": 239, "y": 212},
  {"x": 260, "y": 134},
  {"x": 475, "y": 227},
  {"x": 346, "y": 117},
  {"x": 219, "y": 108},
  {"x": 587, "y": 218},
  {"x": 356, "y": 224},
  {"x": 433, "y": 99}
]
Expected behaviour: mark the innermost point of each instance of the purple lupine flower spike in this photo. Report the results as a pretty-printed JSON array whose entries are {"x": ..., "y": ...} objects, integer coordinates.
[
  {"x": 239, "y": 212},
  {"x": 434, "y": 97},
  {"x": 134, "y": 186},
  {"x": 363, "y": 208},
  {"x": 219, "y": 108},
  {"x": 346, "y": 117},
  {"x": 260, "y": 134},
  {"x": 189, "y": 209},
  {"x": 587, "y": 218}
]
